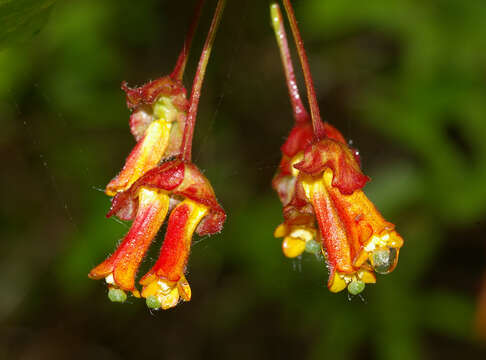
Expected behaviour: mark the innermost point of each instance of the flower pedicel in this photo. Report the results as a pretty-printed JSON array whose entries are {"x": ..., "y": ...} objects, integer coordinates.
[
  {"x": 319, "y": 180},
  {"x": 146, "y": 189}
]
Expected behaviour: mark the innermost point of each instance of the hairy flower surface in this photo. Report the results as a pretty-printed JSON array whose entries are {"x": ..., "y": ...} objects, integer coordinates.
[
  {"x": 319, "y": 182},
  {"x": 177, "y": 185},
  {"x": 159, "y": 177}
]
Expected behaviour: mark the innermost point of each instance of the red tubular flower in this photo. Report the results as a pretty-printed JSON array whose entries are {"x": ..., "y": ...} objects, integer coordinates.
[
  {"x": 319, "y": 181},
  {"x": 196, "y": 210},
  {"x": 120, "y": 268},
  {"x": 146, "y": 190}
]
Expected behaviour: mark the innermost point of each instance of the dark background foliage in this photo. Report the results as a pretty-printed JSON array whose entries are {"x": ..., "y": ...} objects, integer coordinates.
[{"x": 404, "y": 80}]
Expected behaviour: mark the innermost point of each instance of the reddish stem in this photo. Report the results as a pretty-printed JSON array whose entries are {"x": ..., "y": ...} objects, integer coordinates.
[
  {"x": 309, "y": 84},
  {"x": 180, "y": 66},
  {"x": 186, "y": 146},
  {"x": 300, "y": 113}
]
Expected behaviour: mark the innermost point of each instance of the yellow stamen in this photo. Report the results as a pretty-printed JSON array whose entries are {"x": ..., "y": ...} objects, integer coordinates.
[
  {"x": 367, "y": 276},
  {"x": 293, "y": 247},
  {"x": 337, "y": 283},
  {"x": 168, "y": 292}
]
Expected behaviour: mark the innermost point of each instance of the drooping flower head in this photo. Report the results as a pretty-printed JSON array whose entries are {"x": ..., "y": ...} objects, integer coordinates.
[
  {"x": 319, "y": 182},
  {"x": 151, "y": 185}
]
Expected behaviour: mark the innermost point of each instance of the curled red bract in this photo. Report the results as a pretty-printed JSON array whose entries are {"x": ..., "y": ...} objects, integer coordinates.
[{"x": 180, "y": 179}]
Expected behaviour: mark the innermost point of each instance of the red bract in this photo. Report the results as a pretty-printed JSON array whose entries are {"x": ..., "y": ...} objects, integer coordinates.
[
  {"x": 336, "y": 156},
  {"x": 319, "y": 182},
  {"x": 182, "y": 180},
  {"x": 150, "y": 185}
]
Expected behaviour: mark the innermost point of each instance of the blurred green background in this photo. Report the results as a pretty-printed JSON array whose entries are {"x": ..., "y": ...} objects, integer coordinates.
[{"x": 404, "y": 80}]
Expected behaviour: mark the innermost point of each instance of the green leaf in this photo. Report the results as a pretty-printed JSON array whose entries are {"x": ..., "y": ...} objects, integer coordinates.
[{"x": 21, "y": 19}]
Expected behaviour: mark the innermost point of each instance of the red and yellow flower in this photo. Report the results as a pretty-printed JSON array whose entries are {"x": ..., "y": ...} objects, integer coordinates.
[
  {"x": 157, "y": 123},
  {"x": 173, "y": 185},
  {"x": 159, "y": 177},
  {"x": 319, "y": 182}
]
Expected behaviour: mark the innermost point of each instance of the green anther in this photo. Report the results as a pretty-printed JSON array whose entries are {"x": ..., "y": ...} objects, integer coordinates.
[
  {"x": 312, "y": 247},
  {"x": 356, "y": 286},
  {"x": 153, "y": 302},
  {"x": 117, "y": 295}
]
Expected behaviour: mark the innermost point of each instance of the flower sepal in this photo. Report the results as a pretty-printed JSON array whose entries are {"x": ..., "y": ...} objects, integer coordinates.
[{"x": 337, "y": 156}]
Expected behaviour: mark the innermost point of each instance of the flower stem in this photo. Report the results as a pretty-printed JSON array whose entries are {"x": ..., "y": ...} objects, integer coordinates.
[
  {"x": 186, "y": 146},
  {"x": 309, "y": 84},
  {"x": 300, "y": 113},
  {"x": 180, "y": 66}
]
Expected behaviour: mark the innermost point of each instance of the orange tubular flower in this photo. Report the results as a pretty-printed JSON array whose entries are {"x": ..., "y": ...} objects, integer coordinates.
[
  {"x": 163, "y": 123},
  {"x": 319, "y": 181},
  {"x": 158, "y": 119},
  {"x": 120, "y": 269},
  {"x": 195, "y": 210}
]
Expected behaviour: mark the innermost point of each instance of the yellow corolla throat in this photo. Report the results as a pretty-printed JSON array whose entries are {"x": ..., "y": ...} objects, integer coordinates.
[
  {"x": 381, "y": 251},
  {"x": 355, "y": 283},
  {"x": 297, "y": 239},
  {"x": 165, "y": 294}
]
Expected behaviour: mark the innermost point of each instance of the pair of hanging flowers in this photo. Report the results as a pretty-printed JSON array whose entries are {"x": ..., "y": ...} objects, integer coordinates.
[
  {"x": 318, "y": 181},
  {"x": 159, "y": 177}
]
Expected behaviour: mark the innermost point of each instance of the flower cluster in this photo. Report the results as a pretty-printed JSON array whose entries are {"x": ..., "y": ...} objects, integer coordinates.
[
  {"x": 159, "y": 177},
  {"x": 176, "y": 185},
  {"x": 319, "y": 182}
]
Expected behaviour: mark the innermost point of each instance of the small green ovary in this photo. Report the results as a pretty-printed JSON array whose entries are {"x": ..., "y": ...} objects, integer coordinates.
[
  {"x": 153, "y": 302},
  {"x": 117, "y": 295},
  {"x": 355, "y": 287}
]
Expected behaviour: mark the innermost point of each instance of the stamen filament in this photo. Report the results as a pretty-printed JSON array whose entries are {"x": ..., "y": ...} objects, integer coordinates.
[{"x": 186, "y": 146}]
